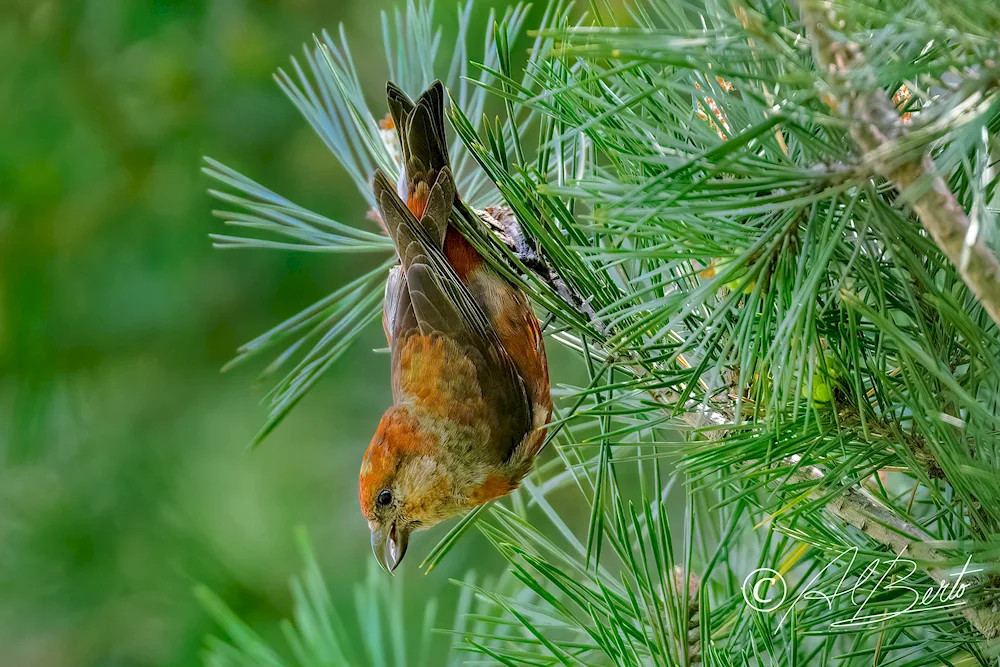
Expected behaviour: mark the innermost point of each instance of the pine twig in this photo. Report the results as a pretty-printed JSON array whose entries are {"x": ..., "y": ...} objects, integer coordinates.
[{"x": 875, "y": 123}]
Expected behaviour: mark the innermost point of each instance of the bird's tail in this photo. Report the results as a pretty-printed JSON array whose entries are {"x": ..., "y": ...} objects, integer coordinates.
[{"x": 422, "y": 140}]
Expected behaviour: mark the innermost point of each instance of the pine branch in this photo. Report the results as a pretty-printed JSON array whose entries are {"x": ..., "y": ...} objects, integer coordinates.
[
  {"x": 859, "y": 508},
  {"x": 854, "y": 505},
  {"x": 875, "y": 124}
]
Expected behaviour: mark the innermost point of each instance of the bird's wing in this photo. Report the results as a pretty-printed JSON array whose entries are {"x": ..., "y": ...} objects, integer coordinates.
[
  {"x": 397, "y": 316},
  {"x": 444, "y": 315},
  {"x": 394, "y": 291}
]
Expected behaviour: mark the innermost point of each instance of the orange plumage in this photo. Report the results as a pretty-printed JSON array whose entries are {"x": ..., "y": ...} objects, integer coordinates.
[{"x": 469, "y": 375}]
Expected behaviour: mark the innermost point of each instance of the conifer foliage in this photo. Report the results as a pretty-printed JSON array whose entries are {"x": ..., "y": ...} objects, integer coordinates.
[{"x": 767, "y": 228}]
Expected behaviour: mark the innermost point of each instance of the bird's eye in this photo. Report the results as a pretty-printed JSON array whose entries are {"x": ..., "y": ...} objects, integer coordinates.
[{"x": 384, "y": 498}]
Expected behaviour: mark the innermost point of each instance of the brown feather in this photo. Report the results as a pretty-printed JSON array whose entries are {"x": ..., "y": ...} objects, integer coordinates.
[{"x": 461, "y": 255}]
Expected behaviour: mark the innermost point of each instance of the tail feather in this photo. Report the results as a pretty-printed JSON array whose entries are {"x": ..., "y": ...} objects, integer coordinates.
[
  {"x": 400, "y": 105},
  {"x": 421, "y": 131},
  {"x": 425, "y": 136}
]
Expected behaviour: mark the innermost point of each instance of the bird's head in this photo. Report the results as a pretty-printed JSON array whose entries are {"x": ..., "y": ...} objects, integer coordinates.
[{"x": 404, "y": 485}]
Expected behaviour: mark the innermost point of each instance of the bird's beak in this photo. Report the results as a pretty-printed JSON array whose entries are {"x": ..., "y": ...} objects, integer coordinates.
[{"x": 389, "y": 545}]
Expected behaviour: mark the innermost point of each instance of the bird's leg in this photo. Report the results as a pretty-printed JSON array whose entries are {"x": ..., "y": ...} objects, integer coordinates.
[
  {"x": 507, "y": 229},
  {"x": 503, "y": 221}
]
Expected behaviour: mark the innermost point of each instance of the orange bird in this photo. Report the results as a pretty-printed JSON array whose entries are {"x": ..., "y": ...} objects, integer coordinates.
[{"x": 470, "y": 383}]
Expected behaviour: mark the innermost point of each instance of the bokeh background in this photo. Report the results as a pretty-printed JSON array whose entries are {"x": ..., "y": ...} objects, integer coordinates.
[{"x": 123, "y": 476}]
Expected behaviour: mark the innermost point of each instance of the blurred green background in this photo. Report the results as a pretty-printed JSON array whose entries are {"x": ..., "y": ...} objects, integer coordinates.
[{"x": 123, "y": 477}]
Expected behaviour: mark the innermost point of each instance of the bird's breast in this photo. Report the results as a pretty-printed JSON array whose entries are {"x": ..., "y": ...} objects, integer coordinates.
[{"x": 440, "y": 379}]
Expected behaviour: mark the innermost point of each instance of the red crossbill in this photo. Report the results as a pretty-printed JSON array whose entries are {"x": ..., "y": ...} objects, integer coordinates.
[{"x": 470, "y": 382}]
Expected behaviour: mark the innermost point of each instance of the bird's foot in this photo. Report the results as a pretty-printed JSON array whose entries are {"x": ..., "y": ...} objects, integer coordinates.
[{"x": 504, "y": 223}]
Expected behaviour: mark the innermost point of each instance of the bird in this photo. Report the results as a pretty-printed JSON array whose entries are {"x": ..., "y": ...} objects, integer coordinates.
[{"x": 469, "y": 375}]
